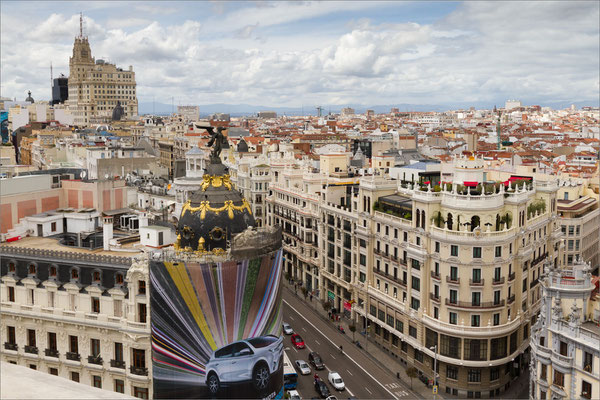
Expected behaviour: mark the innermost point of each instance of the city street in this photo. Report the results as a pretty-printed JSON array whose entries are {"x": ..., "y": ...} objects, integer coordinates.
[{"x": 364, "y": 378}]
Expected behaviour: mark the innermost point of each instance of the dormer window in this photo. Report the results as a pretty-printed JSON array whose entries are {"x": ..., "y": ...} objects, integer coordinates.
[
  {"x": 119, "y": 279},
  {"x": 53, "y": 271},
  {"x": 12, "y": 267},
  {"x": 96, "y": 276},
  {"x": 74, "y": 274},
  {"x": 32, "y": 269}
]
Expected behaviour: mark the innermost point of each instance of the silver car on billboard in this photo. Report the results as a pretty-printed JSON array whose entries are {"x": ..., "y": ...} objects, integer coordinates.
[{"x": 252, "y": 360}]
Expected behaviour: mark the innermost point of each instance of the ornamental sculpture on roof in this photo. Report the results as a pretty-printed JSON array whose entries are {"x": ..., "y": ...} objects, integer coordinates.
[{"x": 217, "y": 140}]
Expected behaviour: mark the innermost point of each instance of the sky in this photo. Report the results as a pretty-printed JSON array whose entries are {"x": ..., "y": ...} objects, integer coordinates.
[{"x": 297, "y": 53}]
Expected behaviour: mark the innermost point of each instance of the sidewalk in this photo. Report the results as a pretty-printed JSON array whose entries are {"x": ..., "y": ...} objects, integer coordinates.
[{"x": 375, "y": 352}]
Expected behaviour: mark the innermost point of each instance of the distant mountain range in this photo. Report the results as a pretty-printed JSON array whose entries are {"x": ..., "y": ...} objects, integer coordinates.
[{"x": 237, "y": 110}]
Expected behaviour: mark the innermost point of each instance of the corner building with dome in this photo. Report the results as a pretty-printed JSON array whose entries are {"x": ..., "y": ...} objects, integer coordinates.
[{"x": 216, "y": 299}]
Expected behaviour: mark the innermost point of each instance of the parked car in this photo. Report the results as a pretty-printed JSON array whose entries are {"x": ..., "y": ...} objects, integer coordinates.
[
  {"x": 331, "y": 398},
  {"x": 294, "y": 395},
  {"x": 303, "y": 367},
  {"x": 336, "y": 380},
  {"x": 287, "y": 329},
  {"x": 321, "y": 388},
  {"x": 250, "y": 360},
  {"x": 297, "y": 341},
  {"x": 315, "y": 359}
]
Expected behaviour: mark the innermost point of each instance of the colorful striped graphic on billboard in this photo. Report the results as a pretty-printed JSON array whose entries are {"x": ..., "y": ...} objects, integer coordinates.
[{"x": 216, "y": 328}]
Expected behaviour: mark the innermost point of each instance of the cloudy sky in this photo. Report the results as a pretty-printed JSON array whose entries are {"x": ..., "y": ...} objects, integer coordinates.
[{"x": 329, "y": 52}]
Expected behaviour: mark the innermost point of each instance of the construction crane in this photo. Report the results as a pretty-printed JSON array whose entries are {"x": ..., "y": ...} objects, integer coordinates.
[{"x": 319, "y": 111}]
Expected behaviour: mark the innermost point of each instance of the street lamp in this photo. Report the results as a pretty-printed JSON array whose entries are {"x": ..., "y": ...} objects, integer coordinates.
[{"x": 435, "y": 374}]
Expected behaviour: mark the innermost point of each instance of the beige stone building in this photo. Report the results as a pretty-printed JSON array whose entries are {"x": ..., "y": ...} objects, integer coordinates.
[
  {"x": 96, "y": 86},
  {"x": 565, "y": 341}
]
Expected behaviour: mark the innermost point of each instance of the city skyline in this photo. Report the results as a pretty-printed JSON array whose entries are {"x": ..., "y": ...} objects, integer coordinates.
[{"x": 328, "y": 53}]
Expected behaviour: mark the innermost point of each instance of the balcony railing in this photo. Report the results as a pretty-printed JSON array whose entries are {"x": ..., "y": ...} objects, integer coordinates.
[
  {"x": 511, "y": 299},
  {"x": 73, "y": 356},
  {"x": 539, "y": 259},
  {"x": 117, "y": 364},
  {"x": 11, "y": 346},
  {"x": 450, "y": 279},
  {"x": 138, "y": 370},
  {"x": 435, "y": 276},
  {"x": 498, "y": 281},
  {"x": 390, "y": 277},
  {"x": 511, "y": 276},
  {"x": 433, "y": 297},
  {"x": 95, "y": 360},
  {"x": 51, "y": 353},
  {"x": 476, "y": 283},
  {"x": 468, "y": 304},
  {"x": 31, "y": 349},
  {"x": 534, "y": 282}
]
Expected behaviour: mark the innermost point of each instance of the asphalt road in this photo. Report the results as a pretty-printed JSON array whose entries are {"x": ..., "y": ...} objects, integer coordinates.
[{"x": 364, "y": 379}]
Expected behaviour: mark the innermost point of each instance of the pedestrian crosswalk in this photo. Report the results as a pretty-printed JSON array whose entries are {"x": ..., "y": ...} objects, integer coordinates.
[{"x": 400, "y": 393}]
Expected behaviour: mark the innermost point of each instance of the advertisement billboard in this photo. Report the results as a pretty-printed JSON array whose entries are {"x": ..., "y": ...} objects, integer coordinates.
[{"x": 216, "y": 328}]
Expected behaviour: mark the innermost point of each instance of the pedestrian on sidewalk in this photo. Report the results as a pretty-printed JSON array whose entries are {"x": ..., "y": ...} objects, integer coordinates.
[
  {"x": 329, "y": 314},
  {"x": 311, "y": 298}
]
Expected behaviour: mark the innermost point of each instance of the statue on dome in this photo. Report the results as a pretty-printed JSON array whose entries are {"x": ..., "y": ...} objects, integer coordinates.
[{"x": 217, "y": 139}]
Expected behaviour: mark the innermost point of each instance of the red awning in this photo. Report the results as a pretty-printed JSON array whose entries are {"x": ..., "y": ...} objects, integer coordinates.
[
  {"x": 428, "y": 182},
  {"x": 470, "y": 184}
]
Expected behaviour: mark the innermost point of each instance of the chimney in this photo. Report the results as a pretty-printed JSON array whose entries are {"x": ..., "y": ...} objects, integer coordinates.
[
  {"x": 107, "y": 231},
  {"x": 143, "y": 220}
]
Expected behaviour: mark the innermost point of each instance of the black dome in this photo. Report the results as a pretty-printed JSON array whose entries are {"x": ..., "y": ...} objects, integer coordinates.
[{"x": 214, "y": 214}]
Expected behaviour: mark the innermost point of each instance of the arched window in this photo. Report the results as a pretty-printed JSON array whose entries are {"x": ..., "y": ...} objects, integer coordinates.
[
  {"x": 475, "y": 222},
  {"x": 32, "y": 269}
]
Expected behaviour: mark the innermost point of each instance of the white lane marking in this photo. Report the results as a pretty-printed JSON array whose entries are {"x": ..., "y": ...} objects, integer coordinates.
[
  {"x": 350, "y": 358},
  {"x": 331, "y": 355},
  {"x": 303, "y": 329},
  {"x": 367, "y": 389},
  {"x": 317, "y": 342},
  {"x": 295, "y": 349},
  {"x": 292, "y": 318},
  {"x": 351, "y": 394},
  {"x": 402, "y": 393},
  {"x": 349, "y": 372}
]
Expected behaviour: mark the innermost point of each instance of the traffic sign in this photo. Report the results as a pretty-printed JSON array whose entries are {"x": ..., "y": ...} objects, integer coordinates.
[{"x": 435, "y": 389}]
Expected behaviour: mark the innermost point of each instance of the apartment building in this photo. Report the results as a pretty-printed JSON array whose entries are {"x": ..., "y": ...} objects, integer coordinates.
[
  {"x": 580, "y": 222},
  {"x": 77, "y": 314},
  {"x": 565, "y": 340},
  {"x": 251, "y": 175},
  {"x": 454, "y": 273}
]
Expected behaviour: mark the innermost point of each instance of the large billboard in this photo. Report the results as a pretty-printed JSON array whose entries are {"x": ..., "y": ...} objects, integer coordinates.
[{"x": 216, "y": 328}]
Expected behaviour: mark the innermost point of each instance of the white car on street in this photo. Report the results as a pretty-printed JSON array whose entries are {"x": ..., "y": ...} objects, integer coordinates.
[
  {"x": 336, "y": 380},
  {"x": 303, "y": 367},
  {"x": 294, "y": 395},
  {"x": 287, "y": 329}
]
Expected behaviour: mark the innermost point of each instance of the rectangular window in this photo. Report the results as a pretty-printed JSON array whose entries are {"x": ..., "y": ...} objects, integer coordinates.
[
  {"x": 399, "y": 326},
  {"x": 497, "y": 274},
  {"x": 95, "y": 347},
  {"x": 494, "y": 374},
  {"x": 543, "y": 372},
  {"x": 141, "y": 287},
  {"x": 475, "y": 320},
  {"x": 11, "y": 294},
  {"x": 418, "y": 356},
  {"x": 412, "y": 331},
  {"x": 139, "y": 358},
  {"x": 52, "y": 340},
  {"x": 118, "y": 308},
  {"x": 454, "y": 250},
  {"x": 75, "y": 376},
  {"x": 140, "y": 393},
  {"x": 476, "y": 275},
  {"x": 453, "y": 296},
  {"x": 498, "y": 348},
  {"x": 437, "y": 247},
  {"x": 142, "y": 312},
  {"x": 97, "y": 381},
  {"x": 586, "y": 389},
  {"x": 415, "y": 303},
  {"x": 119, "y": 386},
  {"x": 31, "y": 337},
  {"x": 95, "y": 304},
  {"x": 588, "y": 361},
  {"x": 11, "y": 335},
  {"x": 416, "y": 283},
  {"x": 73, "y": 344},
  {"x": 496, "y": 297},
  {"x": 118, "y": 351},
  {"x": 373, "y": 310},
  {"x": 53, "y": 371},
  {"x": 390, "y": 320},
  {"x": 559, "y": 379},
  {"x": 450, "y": 346},
  {"x": 476, "y": 252},
  {"x": 452, "y": 318},
  {"x": 476, "y": 298},
  {"x": 451, "y": 372},
  {"x": 498, "y": 252},
  {"x": 476, "y": 349},
  {"x": 454, "y": 273},
  {"x": 474, "y": 375},
  {"x": 496, "y": 319},
  {"x": 381, "y": 315}
]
